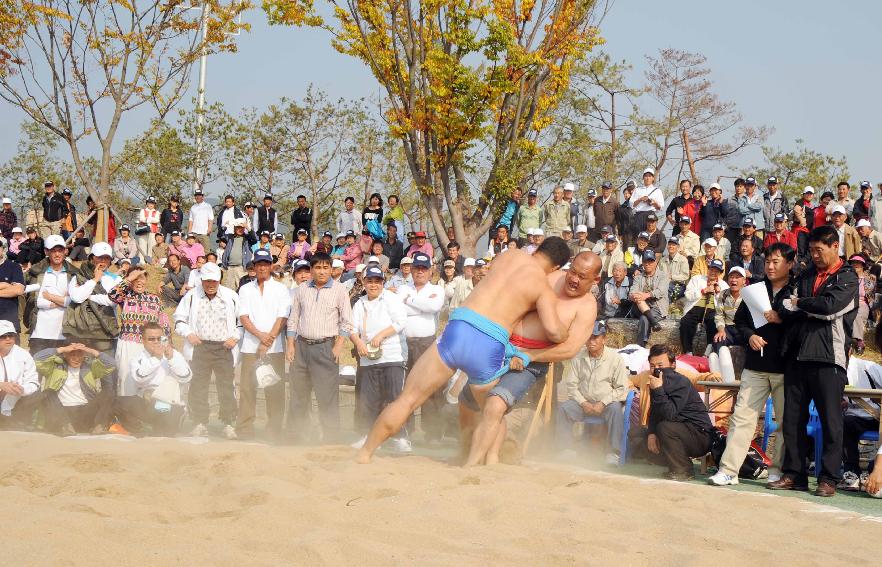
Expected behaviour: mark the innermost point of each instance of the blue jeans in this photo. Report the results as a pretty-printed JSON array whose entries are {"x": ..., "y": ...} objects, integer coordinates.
[
  {"x": 512, "y": 386},
  {"x": 570, "y": 412}
]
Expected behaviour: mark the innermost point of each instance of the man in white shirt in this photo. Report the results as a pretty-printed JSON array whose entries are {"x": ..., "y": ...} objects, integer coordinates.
[
  {"x": 208, "y": 319},
  {"x": 161, "y": 375},
  {"x": 378, "y": 321},
  {"x": 200, "y": 219},
  {"x": 645, "y": 200},
  {"x": 19, "y": 383},
  {"x": 263, "y": 311},
  {"x": 349, "y": 218},
  {"x": 90, "y": 317},
  {"x": 423, "y": 301},
  {"x": 47, "y": 296}
]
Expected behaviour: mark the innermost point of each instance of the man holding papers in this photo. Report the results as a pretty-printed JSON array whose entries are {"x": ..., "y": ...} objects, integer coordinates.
[{"x": 763, "y": 367}]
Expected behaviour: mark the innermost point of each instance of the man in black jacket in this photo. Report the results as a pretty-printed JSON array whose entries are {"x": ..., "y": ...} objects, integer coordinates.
[
  {"x": 744, "y": 256},
  {"x": 302, "y": 218},
  {"x": 679, "y": 428},
  {"x": 53, "y": 209},
  {"x": 763, "y": 374},
  {"x": 393, "y": 248},
  {"x": 819, "y": 319},
  {"x": 266, "y": 218},
  {"x": 714, "y": 211}
]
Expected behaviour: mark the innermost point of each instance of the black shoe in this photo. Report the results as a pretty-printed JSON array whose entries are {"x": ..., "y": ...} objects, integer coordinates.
[{"x": 787, "y": 483}]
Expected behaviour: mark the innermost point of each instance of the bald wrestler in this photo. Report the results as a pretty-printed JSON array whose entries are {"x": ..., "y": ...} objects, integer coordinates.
[
  {"x": 476, "y": 338},
  {"x": 577, "y": 309}
]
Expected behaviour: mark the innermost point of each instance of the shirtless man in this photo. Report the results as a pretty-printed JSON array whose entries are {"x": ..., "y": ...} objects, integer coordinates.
[
  {"x": 476, "y": 339},
  {"x": 577, "y": 309}
]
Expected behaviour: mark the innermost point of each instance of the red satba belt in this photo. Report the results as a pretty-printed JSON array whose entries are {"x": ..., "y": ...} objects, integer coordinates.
[{"x": 523, "y": 342}]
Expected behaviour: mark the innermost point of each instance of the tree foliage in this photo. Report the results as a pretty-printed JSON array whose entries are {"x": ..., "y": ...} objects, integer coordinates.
[{"x": 801, "y": 167}]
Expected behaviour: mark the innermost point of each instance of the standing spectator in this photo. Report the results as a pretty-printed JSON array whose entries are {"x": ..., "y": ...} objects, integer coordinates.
[
  {"x": 625, "y": 215},
  {"x": 734, "y": 219},
  {"x": 172, "y": 218},
  {"x": 821, "y": 317},
  {"x": 556, "y": 213},
  {"x": 590, "y": 221},
  {"x": 454, "y": 254},
  {"x": 703, "y": 294},
  {"x": 320, "y": 320},
  {"x": 693, "y": 207},
  {"x": 750, "y": 205},
  {"x": 266, "y": 217},
  {"x": 207, "y": 319},
  {"x": 866, "y": 299},
  {"x": 200, "y": 219},
  {"x": 510, "y": 212},
  {"x": 378, "y": 322},
  {"x": 68, "y": 215},
  {"x": 677, "y": 207},
  {"x": 876, "y": 217},
  {"x": 822, "y": 217},
  {"x": 863, "y": 207},
  {"x": 20, "y": 387},
  {"x": 264, "y": 305},
  {"x": 871, "y": 241},
  {"x": 11, "y": 288},
  {"x": 459, "y": 288},
  {"x": 690, "y": 244},
  {"x": 392, "y": 247},
  {"x": 530, "y": 215},
  {"x": 8, "y": 219},
  {"x": 676, "y": 267},
  {"x": 569, "y": 189},
  {"x": 227, "y": 216},
  {"x": 714, "y": 211},
  {"x": 77, "y": 397},
  {"x": 645, "y": 200},
  {"x": 849, "y": 241},
  {"x": 606, "y": 206},
  {"x": 649, "y": 293},
  {"x": 31, "y": 251},
  {"x": 53, "y": 209},
  {"x": 597, "y": 385},
  {"x": 148, "y": 225},
  {"x": 679, "y": 427},
  {"x": 804, "y": 215},
  {"x": 774, "y": 204},
  {"x": 91, "y": 315},
  {"x": 763, "y": 374},
  {"x": 47, "y": 284},
  {"x": 779, "y": 233},
  {"x": 423, "y": 301},
  {"x": 138, "y": 307},
  {"x": 124, "y": 247},
  {"x": 420, "y": 246},
  {"x": 174, "y": 283},
  {"x": 842, "y": 199},
  {"x": 237, "y": 254},
  {"x": 395, "y": 214},
  {"x": 373, "y": 210},
  {"x": 348, "y": 218}
]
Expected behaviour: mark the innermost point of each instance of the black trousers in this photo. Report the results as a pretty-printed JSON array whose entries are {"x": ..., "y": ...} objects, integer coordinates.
[
  {"x": 680, "y": 442},
  {"x": 689, "y": 326},
  {"x": 212, "y": 358},
  {"x": 853, "y": 427},
  {"x": 431, "y": 419},
  {"x": 134, "y": 412},
  {"x": 315, "y": 370},
  {"x": 23, "y": 412},
  {"x": 380, "y": 385},
  {"x": 823, "y": 383},
  {"x": 84, "y": 418}
]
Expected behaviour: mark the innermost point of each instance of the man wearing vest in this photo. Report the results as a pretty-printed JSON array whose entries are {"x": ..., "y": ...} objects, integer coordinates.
[{"x": 266, "y": 218}]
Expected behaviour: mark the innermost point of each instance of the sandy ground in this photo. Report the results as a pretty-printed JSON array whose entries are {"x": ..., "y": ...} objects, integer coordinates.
[{"x": 107, "y": 501}]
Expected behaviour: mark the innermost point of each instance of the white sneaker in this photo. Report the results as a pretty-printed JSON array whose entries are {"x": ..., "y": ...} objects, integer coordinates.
[
  {"x": 774, "y": 477},
  {"x": 722, "y": 479},
  {"x": 360, "y": 443},
  {"x": 230, "y": 432},
  {"x": 612, "y": 459},
  {"x": 850, "y": 481},
  {"x": 402, "y": 445},
  {"x": 199, "y": 431}
]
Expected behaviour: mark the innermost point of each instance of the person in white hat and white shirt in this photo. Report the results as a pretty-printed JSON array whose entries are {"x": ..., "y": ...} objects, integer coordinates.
[
  {"x": 19, "y": 383},
  {"x": 535, "y": 238},
  {"x": 207, "y": 319},
  {"x": 11, "y": 287},
  {"x": 91, "y": 316},
  {"x": 646, "y": 199},
  {"x": 47, "y": 296},
  {"x": 404, "y": 277},
  {"x": 8, "y": 218},
  {"x": 569, "y": 192},
  {"x": 871, "y": 240},
  {"x": 337, "y": 267}
]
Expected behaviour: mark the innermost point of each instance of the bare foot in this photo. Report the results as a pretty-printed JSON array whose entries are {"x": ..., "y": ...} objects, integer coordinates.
[{"x": 363, "y": 457}]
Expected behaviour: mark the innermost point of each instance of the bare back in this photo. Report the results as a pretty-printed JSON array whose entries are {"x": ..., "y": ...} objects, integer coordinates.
[
  {"x": 509, "y": 290},
  {"x": 530, "y": 327}
]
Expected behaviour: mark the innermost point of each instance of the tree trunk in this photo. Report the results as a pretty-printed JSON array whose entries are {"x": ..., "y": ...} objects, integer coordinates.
[
  {"x": 689, "y": 160},
  {"x": 611, "y": 174}
]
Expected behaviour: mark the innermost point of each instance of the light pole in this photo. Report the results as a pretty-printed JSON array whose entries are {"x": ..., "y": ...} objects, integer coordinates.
[{"x": 200, "y": 98}]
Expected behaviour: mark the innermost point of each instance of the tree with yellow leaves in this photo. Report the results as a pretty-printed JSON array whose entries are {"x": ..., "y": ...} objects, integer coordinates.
[
  {"x": 469, "y": 86},
  {"x": 77, "y": 67}
]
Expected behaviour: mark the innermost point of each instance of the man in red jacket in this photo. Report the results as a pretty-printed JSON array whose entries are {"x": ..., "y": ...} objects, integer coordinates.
[{"x": 781, "y": 234}]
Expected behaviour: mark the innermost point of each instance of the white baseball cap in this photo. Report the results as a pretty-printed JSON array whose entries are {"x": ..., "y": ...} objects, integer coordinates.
[
  {"x": 863, "y": 222},
  {"x": 649, "y": 170},
  {"x": 531, "y": 231},
  {"x": 714, "y": 186},
  {"x": 210, "y": 272},
  {"x": 581, "y": 228},
  {"x": 102, "y": 249},
  {"x": 7, "y": 327},
  {"x": 17, "y": 229},
  {"x": 711, "y": 241},
  {"x": 808, "y": 189},
  {"x": 406, "y": 260},
  {"x": 538, "y": 232},
  {"x": 337, "y": 263},
  {"x": 567, "y": 229},
  {"x": 838, "y": 209},
  {"x": 7, "y": 201},
  {"x": 359, "y": 268},
  {"x": 239, "y": 222},
  {"x": 373, "y": 259},
  {"x": 740, "y": 270},
  {"x": 569, "y": 187},
  {"x": 52, "y": 241},
  {"x": 469, "y": 262}
]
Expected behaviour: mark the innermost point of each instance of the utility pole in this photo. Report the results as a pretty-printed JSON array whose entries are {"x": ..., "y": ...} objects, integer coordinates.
[{"x": 200, "y": 100}]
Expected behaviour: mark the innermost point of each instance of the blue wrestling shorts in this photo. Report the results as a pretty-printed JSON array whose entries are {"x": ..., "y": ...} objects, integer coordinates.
[{"x": 477, "y": 346}]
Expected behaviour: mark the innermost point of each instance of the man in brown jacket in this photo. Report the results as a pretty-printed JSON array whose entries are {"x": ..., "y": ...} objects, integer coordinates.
[
  {"x": 849, "y": 239},
  {"x": 605, "y": 206}
]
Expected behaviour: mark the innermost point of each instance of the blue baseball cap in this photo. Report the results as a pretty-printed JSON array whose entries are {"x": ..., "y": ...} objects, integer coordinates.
[
  {"x": 421, "y": 261},
  {"x": 301, "y": 265},
  {"x": 373, "y": 272},
  {"x": 261, "y": 255},
  {"x": 480, "y": 262},
  {"x": 649, "y": 255},
  {"x": 599, "y": 328},
  {"x": 717, "y": 264}
]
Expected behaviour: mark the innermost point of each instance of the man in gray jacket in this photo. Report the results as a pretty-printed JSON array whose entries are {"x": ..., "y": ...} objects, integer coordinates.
[
  {"x": 774, "y": 202},
  {"x": 649, "y": 292}
]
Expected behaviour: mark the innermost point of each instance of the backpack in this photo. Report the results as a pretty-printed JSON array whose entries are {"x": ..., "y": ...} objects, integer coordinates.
[{"x": 754, "y": 463}]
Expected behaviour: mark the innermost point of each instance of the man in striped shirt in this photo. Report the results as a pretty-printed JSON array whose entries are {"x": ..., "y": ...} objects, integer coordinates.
[{"x": 320, "y": 320}]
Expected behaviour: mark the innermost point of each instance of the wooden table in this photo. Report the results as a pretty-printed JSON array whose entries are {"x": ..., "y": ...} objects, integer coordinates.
[
  {"x": 729, "y": 393},
  {"x": 860, "y": 396}
]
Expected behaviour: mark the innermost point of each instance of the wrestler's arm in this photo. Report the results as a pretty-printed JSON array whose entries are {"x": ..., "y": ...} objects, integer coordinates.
[
  {"x": 580, "y": 331},
  {"x": 546, "y": 308}
]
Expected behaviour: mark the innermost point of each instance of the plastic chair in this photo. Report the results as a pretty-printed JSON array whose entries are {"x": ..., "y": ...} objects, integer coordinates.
[
  {"x": 769, "y": 425},
  {"x": 815, "y": 431}
]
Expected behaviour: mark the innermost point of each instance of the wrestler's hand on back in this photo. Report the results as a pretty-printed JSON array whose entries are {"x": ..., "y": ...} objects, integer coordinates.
[{"x": 546, "y": 308}]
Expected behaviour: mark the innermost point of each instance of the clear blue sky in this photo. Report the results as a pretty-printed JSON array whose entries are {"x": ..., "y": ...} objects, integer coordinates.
[{"x": 811, "y": 69}]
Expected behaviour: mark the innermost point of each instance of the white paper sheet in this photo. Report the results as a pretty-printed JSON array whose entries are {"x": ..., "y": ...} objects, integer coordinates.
[{"x": 757, "y": 300}]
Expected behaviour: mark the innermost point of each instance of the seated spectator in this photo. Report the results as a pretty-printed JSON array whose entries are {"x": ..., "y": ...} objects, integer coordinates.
[
  {"x": 160, "y": 250},
  {"x": 690, "y": 243},
  {"x": 657, "y": 239},
  {"x": 676, "y": 267},
  {"x": 403, "y": 277},
  {"x": 724, "y": 247},
  {"x": 871, "y": 241},
  {"x": 702, "y": 296},
  {"x": 279, "y": 250},
  {"x": 748, "y": 230},
  {"x": 866, "y": 299},
  {"x": 31, "y": 250},
  {"x": 263, "y": 241},
  {"x": 597, "y": 385},
  {"x": 125, "y": 247},
  {"x": 20, "y": 388},
  {"x": 195, "y": 273},
  {"x": 250, "y": 275},
  {"x": 77, "y": 396},
  {"x": 79, "y": 248},
  {"x": 336, "y": 270},
  {"x": 175, "y": 282},
  {"x": 874, "y": 480},
  {"x": 615, "y": 293},
  {"x": 679, "y": 427},
  {"x": 849, "y": 240},
  {"x": 383, "y": 260},
  {"x": 498, "y": 243},
  {"x": 581, "y": 242},
  {"x": 724, "y": 321},
  {"x": 159, "y": 373},
  {"x": 649, "y": 294},
  {"x": 193, "y": 249},
  {"x": 780, "y": 234},
  {"x": 699, "y": 267},
  {"x": 610, "y": 256},
  {"x": 599, "y": 246},
  {"x": 634, "y": 254},
  {"x": 748, "y": 259}
]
